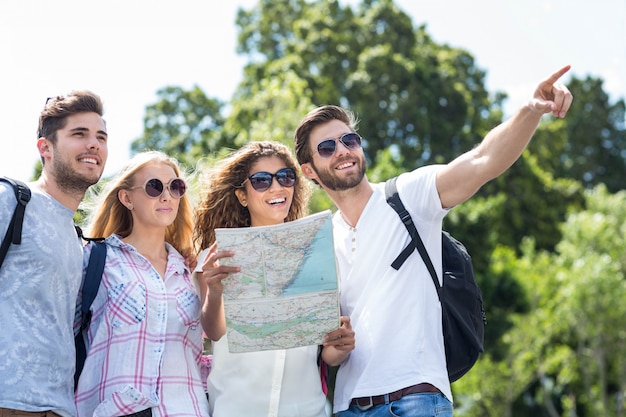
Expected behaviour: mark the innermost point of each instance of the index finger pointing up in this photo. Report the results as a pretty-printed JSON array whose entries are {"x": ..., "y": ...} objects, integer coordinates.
[{"x": 554, "y": 77}]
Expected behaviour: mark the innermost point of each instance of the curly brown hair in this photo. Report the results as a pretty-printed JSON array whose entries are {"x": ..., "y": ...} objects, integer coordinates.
[{"x": 220, "y": 207}]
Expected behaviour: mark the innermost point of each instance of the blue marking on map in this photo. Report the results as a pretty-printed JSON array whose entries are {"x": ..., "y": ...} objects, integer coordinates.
[{"x": 318, "y": 271}]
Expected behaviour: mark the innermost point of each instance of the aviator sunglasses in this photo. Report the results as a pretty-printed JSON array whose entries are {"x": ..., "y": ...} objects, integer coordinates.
[
  {"x": 327, "y": 148},
  {"x": 154, "y": 187},
  {"x": 262, "y": 181}
]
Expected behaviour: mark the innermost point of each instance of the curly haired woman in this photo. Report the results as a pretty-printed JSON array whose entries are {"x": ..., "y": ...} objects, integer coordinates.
[{"x": 257, "y": 185}]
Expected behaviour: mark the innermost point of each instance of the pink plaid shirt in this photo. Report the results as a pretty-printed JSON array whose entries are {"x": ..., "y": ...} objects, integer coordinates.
[{"x": 144, "y": 341}]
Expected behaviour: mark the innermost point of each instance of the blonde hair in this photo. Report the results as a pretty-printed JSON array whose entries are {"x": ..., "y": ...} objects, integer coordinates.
[
  {"x": 220, "y": 207},
  {"x": 112, "y": 217}
]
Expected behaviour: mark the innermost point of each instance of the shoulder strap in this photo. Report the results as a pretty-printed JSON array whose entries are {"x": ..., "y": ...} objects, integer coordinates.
[
  {"x": 79, "y": 232},
  {"x": 93, "y": 276},
  {"x": 393, "y": 199},
  {"x": 14, "y": 231}
]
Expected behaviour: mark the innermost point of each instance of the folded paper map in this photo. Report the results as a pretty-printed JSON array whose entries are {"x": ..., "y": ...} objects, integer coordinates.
[{"x": 286, "y": 294}]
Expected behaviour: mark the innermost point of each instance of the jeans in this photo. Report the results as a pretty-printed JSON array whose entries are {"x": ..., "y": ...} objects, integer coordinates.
[{"x": 427, "y": 404}]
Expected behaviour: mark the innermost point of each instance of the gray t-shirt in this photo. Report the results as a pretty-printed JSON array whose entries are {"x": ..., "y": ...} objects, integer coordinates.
[{"x": 39, "y": 283}]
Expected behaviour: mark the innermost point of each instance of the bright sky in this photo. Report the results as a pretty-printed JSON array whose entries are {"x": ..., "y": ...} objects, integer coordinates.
[{"x": 127, "y": 50}]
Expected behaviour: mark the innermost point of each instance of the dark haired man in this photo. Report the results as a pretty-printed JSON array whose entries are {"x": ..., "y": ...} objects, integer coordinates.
[
  {"x": 398, "y": 366},
  {"x": 40, "y": 278}
]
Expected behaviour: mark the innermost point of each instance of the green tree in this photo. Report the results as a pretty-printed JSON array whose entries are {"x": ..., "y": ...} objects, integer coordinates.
[
  {"x": 421, "y": 100},
  {"x": 270, "y": 109},
  {"x": 317, "y": 37},
  {"x": 589, "y": 144},
  {"x": 184, "y": 124},
  {"x": 566, "y": 352},
  {"x": 590, "y": 269},
  {"x": 525, "y": 201}
]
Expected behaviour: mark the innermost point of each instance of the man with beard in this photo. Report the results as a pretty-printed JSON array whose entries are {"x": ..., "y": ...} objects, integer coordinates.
[
  {"x": 398, "y": 366},
  {"x": 40, "y": 278}
]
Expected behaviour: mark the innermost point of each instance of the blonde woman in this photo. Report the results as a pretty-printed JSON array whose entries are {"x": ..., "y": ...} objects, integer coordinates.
[
  {"x": 145, "y": 339},
  {"x": 255, "y": 186}
]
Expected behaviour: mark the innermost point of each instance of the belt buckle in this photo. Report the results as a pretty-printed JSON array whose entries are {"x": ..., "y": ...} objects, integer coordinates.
[{"x": 367, "y": 406}]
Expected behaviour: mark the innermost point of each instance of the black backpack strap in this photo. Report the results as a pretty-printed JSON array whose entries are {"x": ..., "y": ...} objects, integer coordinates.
[
  {"x": 393, "y": 199},
  {"x": 14, "y": 231},
  {"x": 93, "y": 276}
]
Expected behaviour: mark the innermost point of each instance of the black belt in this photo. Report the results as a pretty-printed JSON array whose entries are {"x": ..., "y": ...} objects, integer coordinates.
[
  {"x": 368, "y": 402},
  {"x": 143, "y": 413}
]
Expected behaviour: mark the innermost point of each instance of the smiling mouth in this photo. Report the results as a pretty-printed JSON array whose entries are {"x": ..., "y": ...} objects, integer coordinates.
[
  {"x": 88, "y": 160},
  {"x": 275, "y": 201},
  {"x": 344, "y": 165}
]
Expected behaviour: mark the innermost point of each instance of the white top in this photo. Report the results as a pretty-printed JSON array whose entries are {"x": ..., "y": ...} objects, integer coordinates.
[
  {"x": 244, "y": 384},
  {"x": 396, "y": 315},
  {"x": 39, "y": 282}
]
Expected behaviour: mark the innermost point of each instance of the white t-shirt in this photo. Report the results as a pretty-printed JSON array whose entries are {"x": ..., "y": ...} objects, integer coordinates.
[
  {"x": 396, "y": 315},
  {"x": 39, "y": 282},
  {"x": 243, "y": 384}
]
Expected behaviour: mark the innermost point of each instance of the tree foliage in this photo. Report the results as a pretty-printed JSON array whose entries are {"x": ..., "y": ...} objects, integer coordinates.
[
  {"x": 566, "y": 351},
  {"x": 581, "y": 365},
  {"x": 184, "y": 124},
  {"x": 425, "y": 101},
  {"x": 590, "y": 145}
]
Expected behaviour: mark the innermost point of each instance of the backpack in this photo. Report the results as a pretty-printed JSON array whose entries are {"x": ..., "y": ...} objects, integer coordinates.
[
  {"x": 463, "y": 316},
  {"x": 14, "y": 231},
  {"x": 93, "y": 274}
]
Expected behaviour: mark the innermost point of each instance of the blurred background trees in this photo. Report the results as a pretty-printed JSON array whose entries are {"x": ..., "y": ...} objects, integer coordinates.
[{"x": 547, "y": 237}]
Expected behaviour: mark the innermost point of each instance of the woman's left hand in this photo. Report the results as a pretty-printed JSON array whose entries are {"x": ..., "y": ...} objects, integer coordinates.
[{"x": 343, "y": 338}]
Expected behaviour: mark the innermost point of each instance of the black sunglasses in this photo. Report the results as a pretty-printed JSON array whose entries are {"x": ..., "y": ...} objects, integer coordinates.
[
  {"x": 327, "y": 148},
  {"x": 154, "y": 187},
  {"x": 262, "y": 181}
]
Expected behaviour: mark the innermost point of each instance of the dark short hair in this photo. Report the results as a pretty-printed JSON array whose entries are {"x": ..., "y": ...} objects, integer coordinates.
[
  {"x": 313, "y": 119},
  {"x": 54, "y": 114}
]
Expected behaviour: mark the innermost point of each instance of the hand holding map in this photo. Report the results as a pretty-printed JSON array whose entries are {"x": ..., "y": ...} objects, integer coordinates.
[{"x": 286, "y": 294}]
